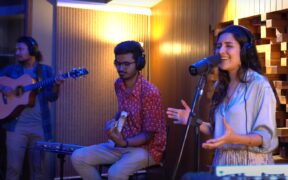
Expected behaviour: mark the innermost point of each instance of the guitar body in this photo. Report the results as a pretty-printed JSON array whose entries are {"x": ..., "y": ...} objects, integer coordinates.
[
  {"x": 12, "y": 105},
  {"x": 24, "y": 92}
]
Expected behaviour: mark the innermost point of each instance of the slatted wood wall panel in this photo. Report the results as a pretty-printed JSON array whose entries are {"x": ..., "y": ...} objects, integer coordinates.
[
  {"x": 83, "y": 41},
  {"x": 226, "y": 10}
]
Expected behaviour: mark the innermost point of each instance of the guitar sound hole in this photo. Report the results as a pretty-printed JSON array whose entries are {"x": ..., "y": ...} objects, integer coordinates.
[{"x": 19, "y": 91}]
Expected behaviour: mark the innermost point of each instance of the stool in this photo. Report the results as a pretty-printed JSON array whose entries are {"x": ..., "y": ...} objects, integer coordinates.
[
  {"x": 148, "y": 173},
  {"x": 142, "y": 174}
]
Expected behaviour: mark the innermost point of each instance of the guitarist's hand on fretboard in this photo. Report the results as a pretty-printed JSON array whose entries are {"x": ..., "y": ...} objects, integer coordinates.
[{"x": 59, "y": 80}]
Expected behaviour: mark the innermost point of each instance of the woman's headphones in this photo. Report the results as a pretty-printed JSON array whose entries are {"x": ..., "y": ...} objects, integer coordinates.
[
  {"x": 250, "y": 38},
  {"x": 248, "y": 47}
]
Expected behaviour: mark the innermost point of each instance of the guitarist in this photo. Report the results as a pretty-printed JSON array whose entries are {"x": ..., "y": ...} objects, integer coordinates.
[
  {"x": 34, "y": 123},
  {"x": 142, "y": 139}
]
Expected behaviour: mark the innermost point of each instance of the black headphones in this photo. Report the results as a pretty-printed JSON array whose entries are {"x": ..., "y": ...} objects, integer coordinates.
[
  {"x": 250, "y": 38},
  {"x": 31, "y": 44},
  {"x": 139, "y": 57},
  {"x": 248, "y": 45}
]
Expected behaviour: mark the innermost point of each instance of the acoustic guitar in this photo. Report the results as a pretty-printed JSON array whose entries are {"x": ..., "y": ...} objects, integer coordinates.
[{"x": 24, "y": 92}]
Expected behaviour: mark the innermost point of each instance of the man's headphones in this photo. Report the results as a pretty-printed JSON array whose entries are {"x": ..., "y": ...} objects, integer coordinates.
[
  {"x": 140, "y": 62},
  {"x": 139, "y": 58},
  {"x": 31, "y": 44}
]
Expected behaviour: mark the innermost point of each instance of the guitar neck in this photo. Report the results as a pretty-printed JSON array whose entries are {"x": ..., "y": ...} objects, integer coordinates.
[{"x": 43, "y": 83}]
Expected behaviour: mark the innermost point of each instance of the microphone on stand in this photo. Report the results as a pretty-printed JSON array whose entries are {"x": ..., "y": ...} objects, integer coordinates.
[
  {"x": 204, "y": 65},
  {"x": 201, "y": 67}
]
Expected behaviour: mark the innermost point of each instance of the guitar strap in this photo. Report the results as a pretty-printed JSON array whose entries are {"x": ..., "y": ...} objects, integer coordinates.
[{"x": 39, "y": 72}]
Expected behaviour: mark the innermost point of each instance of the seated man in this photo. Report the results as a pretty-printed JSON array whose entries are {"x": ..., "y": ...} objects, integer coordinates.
[{"x": 142, "y": 140}]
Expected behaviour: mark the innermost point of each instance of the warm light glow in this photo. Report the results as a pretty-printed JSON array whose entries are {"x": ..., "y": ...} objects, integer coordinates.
[
  {"x": 139, "y": 3},
  {"x": 229, "y": 12},
  {"x": 160, "y": 26},
  {"x": 175, "y": 48},
  {"x": 115, "y": 30},
  {"x": 166, "y": 48},
  {"x": 112, "y": 27},
  {"x": 158, "y": 32},
  {"x": 104, "y": 7}
]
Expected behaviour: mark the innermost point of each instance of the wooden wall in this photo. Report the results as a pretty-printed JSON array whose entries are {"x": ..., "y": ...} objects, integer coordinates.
[{"x": 86, "y": 38}]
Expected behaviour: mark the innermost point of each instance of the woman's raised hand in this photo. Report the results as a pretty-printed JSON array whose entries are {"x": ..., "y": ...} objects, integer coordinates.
[{"x": 180, "y": 116}]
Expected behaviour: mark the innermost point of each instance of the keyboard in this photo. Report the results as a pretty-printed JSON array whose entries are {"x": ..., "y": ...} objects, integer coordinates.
[
  {"x": 57, "y": 147},
  {"x": 276, "y": 170}
]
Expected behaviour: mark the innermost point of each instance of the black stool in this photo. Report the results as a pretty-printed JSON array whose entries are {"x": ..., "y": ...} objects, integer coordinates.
[{"x": 148, "y": 173}]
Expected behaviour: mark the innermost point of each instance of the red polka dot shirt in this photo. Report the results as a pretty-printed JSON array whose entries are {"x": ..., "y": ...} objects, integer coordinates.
[{"x": 146, "y": 114}]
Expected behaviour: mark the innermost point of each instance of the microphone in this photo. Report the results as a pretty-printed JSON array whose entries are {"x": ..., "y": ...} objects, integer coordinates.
[{"x": 204, "y": 65}]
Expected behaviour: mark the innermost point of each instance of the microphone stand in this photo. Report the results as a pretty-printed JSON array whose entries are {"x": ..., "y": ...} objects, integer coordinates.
[{"x": 195, "y": 123}]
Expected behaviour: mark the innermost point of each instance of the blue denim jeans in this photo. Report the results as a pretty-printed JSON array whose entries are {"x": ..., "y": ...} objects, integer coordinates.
[{"x": 17, "y": 143}]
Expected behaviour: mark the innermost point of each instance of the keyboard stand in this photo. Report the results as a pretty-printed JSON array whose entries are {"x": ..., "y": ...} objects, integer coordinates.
[
  {"x": 60, "y": 149},
  {"x": 61, "y": 158}
]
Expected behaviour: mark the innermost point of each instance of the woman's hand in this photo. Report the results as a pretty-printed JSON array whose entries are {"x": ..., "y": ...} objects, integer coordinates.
[
  {"x": 180, "y": 115},
  {"x": 227, "y": 138}
]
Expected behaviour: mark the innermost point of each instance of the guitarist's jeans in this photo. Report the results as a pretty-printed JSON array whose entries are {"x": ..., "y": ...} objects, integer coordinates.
[
  {"x": 17, "y": 142},
  {"x": 125, "y": 161}
]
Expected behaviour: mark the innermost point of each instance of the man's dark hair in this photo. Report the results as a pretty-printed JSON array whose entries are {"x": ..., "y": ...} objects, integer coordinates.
[{"x": 133, "y": 47}]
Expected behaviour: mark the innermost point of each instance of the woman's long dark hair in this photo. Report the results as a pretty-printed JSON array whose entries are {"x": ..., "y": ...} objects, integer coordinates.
[{"x": 249, "y": 60}]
